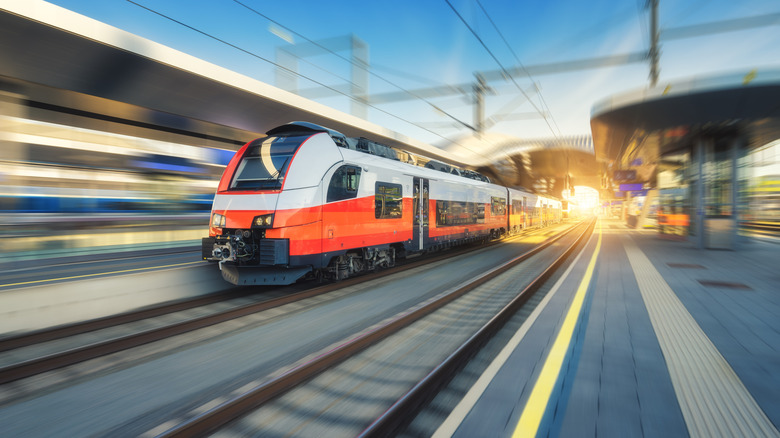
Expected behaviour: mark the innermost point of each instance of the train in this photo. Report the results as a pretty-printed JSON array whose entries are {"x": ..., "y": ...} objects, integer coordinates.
[{"x": 307, "y": 201}]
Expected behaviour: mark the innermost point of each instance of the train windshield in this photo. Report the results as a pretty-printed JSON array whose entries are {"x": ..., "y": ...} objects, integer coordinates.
[{"x": 265, "y": 163}]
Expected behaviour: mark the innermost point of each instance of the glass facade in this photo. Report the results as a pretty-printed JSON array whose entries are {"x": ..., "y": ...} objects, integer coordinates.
[
  {"x": 732, "y": 190},
  {"x": 675, "y": 174},
  {"x": 759, "y": 189},
  {"x": 718, "y": 170}
]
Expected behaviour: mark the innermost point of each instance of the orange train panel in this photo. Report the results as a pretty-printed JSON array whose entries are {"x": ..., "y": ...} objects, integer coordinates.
[
  {"x": 673, "y": 220},
  {"x": 297, "y": 217},
  {"x": 353, "y": 224},
  {"x": 304, "y": 239}
]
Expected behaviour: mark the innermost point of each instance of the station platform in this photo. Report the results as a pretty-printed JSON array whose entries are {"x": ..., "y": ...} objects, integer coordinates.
[
  {"x": 16, "y": 252},
  {"x": 641, "y": 336}
]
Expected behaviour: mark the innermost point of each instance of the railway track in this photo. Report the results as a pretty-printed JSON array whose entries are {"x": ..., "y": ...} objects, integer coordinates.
[
  {"x": 71, "y": 355},
  {"x": 239, "y": 405},
  {"x": 52, "y": 334}
]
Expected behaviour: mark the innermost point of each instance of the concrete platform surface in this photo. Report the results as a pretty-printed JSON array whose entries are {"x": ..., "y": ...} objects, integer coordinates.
[{"x": 642, "y": 337}]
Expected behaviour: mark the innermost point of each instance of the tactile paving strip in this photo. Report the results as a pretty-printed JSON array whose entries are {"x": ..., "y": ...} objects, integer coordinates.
[{"x": 713, "y": 399}]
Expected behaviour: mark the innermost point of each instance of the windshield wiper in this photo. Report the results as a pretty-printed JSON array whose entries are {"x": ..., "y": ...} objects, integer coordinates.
[{"x": 278, "y": 174}]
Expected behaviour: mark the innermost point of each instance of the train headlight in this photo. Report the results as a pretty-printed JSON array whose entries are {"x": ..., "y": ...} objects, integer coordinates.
[
  {"x": 263, "y": 221},
  {"x": 218, "y": 220}
]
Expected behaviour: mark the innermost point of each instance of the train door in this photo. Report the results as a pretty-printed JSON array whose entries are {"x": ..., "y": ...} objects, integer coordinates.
[
  {"x": 420, "y": 207},
  {"x": 524, "y": 208}
]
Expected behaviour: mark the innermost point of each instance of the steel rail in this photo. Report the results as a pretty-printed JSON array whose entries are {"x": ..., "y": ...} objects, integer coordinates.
[
  {"x": 76, "y": 355},
  {"x": 242, "y": 404},
  {"x": 54, "y": 333},
  {"x": 59, "y": 332},
  {"x": 404, "y": 410},
  {"x": 29, "y": 368}
]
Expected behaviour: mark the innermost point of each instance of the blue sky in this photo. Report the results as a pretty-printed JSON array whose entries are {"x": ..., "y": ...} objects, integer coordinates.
[{"x": 423, "y": 43}]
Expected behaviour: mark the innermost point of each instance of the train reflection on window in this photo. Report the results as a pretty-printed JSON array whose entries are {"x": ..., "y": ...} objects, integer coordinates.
[
  {"x": 451, "y": 213},
  {"x": 265, "y": 163},
  {"x": 388, "y": 201}
]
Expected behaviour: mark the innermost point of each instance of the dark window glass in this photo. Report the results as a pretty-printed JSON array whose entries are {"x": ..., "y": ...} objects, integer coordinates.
[
  {"x": 265, "y": 163},
  {"x": 416, "y": 204},
  {"x": 451, "y": 213},
  {"x": 344, "y": 184},
  {"x": 388, "y": 201},
  {"x": 497, "y": 206}
]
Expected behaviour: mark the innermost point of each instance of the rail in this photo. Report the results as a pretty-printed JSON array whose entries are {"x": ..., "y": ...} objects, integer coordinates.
[
  {"x": 250, "y": 400},
  {"x": 400, "y": 414},
  {"x": 32, "y": 367}
]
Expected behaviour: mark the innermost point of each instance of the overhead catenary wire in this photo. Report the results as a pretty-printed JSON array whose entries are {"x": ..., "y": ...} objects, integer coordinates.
[
  {"x": 262, "y": 58},
  {"x": 519, "y": 63},
  {"x": 351, "y": 61},
  {"x": 250, "y": 53},
  {"x": 411, "y": 93},
  {"x": 501, "y": 66}
]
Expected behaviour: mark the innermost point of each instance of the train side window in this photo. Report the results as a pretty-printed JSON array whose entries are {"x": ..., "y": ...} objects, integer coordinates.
[
  {"x": 497, "y": 206},
  {"x": 344, "y": 184},
  {"x": 454, "y": 213},
  {"x": 388, "y": 201}
]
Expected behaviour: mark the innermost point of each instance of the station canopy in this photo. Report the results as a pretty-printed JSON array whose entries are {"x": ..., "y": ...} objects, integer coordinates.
[
  {"x": 673, "y": 116},
  {"x": 54, "y": 57},
  {"x": 544, "y": 165}
]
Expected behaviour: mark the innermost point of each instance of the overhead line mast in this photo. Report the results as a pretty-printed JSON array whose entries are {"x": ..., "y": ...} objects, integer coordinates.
[{"x": 655, "y": 51}]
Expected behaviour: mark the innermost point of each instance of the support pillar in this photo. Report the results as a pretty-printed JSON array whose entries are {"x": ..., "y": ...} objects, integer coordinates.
[
  {"x": 480, "y": 86},
  {"x": 736, "y": 148},
  {"x": 359, "y": 86},
  {"x": 286, "y": 77},
  {"x": 698, "y": 204}
]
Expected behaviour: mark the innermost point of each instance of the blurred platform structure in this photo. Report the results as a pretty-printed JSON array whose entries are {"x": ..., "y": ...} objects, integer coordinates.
[
  {"x": 663, "y": 339},
  {"x": 119, "y": 76},
  {"x": 686, "y": 143},
  {"x": 649, "y": 334},
  {"x": 109, "y": 141},
  {"x": 97, "y": 123}
]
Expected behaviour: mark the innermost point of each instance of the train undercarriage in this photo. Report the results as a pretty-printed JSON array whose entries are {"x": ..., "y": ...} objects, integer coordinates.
[
  {"x": 357, "y": 262},
  {"x": 247, "y": 257}
]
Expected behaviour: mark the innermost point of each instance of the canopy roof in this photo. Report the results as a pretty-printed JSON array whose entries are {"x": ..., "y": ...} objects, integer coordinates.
[{"x": 742, "y": 103}]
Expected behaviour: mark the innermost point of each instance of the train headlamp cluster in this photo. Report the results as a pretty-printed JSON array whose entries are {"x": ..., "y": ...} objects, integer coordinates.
[
  {"x": 263, "y": 221},
  {"x": 218, "y": 220}
]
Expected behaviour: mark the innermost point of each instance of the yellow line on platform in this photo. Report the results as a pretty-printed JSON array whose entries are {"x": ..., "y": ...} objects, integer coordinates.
[
  {"x": 96, "y": 274},
  {"x": 532, "y": 415}
]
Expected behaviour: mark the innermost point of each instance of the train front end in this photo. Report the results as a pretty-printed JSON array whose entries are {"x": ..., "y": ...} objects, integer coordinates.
[{"x": 266, "y": 220}]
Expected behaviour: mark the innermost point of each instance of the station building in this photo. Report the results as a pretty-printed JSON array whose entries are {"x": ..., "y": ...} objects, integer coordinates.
[{"x": 698, "y": 158}]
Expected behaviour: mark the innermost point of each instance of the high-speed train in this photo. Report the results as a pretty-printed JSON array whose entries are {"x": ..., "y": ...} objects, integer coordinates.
[{"x": 308, "y": 201}]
